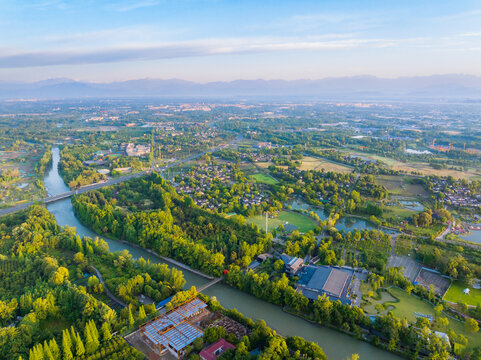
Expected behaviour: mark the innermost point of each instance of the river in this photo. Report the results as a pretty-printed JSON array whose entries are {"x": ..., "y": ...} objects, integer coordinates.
[{"x": 336, "y": 345}]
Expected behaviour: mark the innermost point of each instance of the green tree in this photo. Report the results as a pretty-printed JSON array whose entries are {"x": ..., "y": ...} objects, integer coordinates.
[
  {"x": 472, "y": 325},
  {"x": 80, "y": 349},
  {"x": 130, "y": 316},
  {"x": 66, "y": 346},
  {"x": 106, "y": 334},
  {"x": 142, "y": 315}
]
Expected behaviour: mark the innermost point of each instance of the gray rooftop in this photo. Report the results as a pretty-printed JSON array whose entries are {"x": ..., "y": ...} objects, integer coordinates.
[{"x": 336, "y": 282}]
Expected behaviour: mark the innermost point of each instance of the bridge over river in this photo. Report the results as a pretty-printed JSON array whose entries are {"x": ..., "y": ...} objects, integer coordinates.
[{"x": 67, "y": 194}]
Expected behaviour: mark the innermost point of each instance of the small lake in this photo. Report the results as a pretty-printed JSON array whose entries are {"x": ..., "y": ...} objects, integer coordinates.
[
  {"x": 412, "y": 205},
  {"x": 347, "y": 223},
  {"x": 473, "y": 236}
]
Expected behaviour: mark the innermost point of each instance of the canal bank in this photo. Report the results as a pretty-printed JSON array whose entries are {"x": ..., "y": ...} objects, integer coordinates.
[{"x": 336, "y": 345}]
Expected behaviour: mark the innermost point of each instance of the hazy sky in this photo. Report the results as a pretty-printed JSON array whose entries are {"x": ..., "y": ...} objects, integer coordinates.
[{"x": 225, "y": 40}]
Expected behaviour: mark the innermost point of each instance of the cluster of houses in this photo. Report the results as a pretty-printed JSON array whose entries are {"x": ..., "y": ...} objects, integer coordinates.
[
  {"x": 298, "y": 174},
  {"x": 456, "y": 194},
  {"x": 199, "y": 183}
]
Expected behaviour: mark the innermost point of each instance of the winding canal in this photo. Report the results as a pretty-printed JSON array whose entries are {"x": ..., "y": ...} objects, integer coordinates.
[{"x": 337, "y": 346}]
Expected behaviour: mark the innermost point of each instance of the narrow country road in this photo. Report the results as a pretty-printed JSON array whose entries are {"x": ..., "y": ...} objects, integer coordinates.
[{"x": 106, "y": 289}]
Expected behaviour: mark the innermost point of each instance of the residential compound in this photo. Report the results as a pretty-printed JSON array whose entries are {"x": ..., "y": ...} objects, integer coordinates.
[
  {"x": 137, "y": 150},
  {"x": 456, "y": 194}
]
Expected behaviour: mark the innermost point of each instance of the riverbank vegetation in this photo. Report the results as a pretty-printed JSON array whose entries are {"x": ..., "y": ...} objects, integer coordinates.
[
  {"x": 46, "y": 301},
  {"x": 174, "y": 227}
]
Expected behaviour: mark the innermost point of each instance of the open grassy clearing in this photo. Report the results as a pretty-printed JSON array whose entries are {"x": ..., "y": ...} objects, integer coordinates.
[
  {"x": 455, "y": 294},
  {"x": 263, "y": 178},
  {"x": 266, "y": 164},
  {"x": 401, "y": 186},
  {"x": 370, "y": 306},
  {"x": 433, "y": 230},
  {"x": 405, "y": 305},
  {"x": 312, "y": 163},
  {"x": 422, "y": 167},
  {"x": 301, "y": 222},
  {"x": 397, "y": 212}
]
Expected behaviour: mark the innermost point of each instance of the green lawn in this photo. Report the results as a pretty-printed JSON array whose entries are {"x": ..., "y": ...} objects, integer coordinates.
[
  {"x": 398, "y": 211},
  {"x": 302, "y": 222},
  {"x": 408, "y": 304},
  {"x": 403, "y": 305},
  {"x": 263, "y": 178},
  {"x": 432, "y": 230},
  {"x": 455, "y": 294}
]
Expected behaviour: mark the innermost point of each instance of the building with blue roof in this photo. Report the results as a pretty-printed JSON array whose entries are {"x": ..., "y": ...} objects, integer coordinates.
[{"x": 172, "y": 331}]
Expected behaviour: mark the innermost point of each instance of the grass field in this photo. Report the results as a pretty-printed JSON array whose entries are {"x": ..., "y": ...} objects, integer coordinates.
[
  {"x": 405, "y": 305},
  {"x": 423, "y": 168},
  {"x": 401, "y": 186},
  {"x": 433, "y": 230},
  {"x": 397, "y": 213},
  {"x": 408, "y": 304},
  {"x": 303, "y": 223},
  {"x": 311, "y": 163},
  {"x": 455, "y": 294},
  {"x": 263, "y": 178}
]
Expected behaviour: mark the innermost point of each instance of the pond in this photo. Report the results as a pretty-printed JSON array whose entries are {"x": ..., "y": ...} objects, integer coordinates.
[
  {"x": 336, "y": 345},
  {"x": 347, "y": 223},
  {"x": 412, "y": 205},
  {"x": 473, "y": 236}
]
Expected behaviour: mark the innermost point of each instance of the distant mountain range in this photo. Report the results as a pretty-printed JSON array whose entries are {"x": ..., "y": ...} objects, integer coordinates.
[{"x": 356, "y": 87}]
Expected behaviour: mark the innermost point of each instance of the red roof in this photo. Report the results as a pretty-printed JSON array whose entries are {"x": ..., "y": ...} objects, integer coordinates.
[{"x": 216, "y": 349}]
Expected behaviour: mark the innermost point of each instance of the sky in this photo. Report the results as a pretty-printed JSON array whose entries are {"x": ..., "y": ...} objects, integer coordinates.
[{"x": 216, "y": 40}]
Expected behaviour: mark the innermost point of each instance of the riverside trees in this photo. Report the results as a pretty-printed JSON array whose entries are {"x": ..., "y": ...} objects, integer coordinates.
[
  {"x": 173, "y": 227},
  {"x": 42, "y": 293}
]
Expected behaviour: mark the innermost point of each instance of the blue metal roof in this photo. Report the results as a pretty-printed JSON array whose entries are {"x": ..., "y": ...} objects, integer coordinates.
[
  {"x": 172, "y": 329},
  {"x": 163, "y": 303}
]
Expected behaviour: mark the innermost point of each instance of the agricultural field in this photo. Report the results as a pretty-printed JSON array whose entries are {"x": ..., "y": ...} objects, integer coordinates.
[
  {"x": 424, "y": 168},
  {"x": 18, "y": 178},
  {"x": 301, "y": 222},
  {"x": 312, "y": 163},
  {"x": 401, "y": 186},
  {"x": 455, "y": 294},
  {"x": 264, "y": 179}
]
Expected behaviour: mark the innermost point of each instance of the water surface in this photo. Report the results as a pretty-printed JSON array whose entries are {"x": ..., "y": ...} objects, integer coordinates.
[{"x": 336, "y": 345}]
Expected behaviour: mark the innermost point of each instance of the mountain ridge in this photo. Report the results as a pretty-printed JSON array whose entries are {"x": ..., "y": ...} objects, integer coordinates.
[{"x": 448, "y": 86}]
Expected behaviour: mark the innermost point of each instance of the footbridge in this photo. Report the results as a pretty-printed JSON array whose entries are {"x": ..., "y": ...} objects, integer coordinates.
[{"x": 209, "y": 284}]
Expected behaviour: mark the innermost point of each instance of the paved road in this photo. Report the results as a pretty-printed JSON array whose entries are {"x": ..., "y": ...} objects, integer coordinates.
[
  {"x": 445, "y": 232},
  {"x": 114, "y": 181},
  {"x": 106, "y": 289}
]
